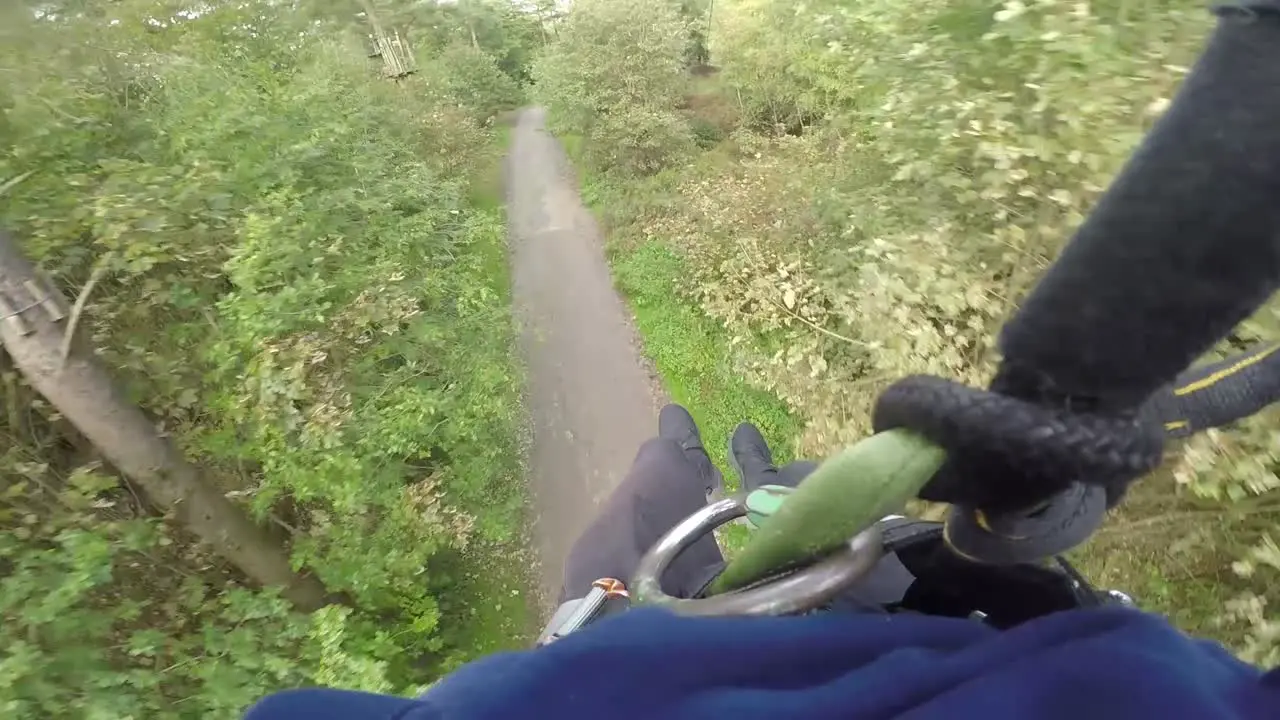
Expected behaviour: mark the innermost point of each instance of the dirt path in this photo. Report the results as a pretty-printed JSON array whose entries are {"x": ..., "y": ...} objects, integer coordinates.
[{"x": 591, "y": 398}]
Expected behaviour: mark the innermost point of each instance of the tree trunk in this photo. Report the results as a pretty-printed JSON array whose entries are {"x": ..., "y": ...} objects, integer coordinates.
[{"x": 82, "y": 390}]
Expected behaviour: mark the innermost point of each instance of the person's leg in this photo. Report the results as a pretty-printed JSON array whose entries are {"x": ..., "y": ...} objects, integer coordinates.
[
  {"x": 666, "y": 484},
  {"x": 752, "y": 460},
  {"x": 675, "y": 423},
  {"x": 791, "y": 474}
]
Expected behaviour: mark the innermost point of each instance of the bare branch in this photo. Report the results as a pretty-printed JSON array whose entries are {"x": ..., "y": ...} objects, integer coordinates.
[{"x": 81, "y": 300}]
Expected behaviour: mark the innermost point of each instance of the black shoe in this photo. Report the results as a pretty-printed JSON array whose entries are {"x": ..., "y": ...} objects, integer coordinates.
[
  {"x": 675, "y": 423},
  {"x": 750, "y": 457}
]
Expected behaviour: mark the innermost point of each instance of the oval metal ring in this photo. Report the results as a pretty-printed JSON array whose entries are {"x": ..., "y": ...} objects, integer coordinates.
[{"x": 804, "y": 589}]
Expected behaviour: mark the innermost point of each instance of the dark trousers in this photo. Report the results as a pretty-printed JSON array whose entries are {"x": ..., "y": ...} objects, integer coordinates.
[{"x": 664, "y": 486}]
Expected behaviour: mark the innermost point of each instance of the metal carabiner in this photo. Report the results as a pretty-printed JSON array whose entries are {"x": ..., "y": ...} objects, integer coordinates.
[{"x": 803, "y": 589}]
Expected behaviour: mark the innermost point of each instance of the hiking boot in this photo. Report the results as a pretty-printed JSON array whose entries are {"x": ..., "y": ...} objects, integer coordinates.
[
  {"x": 750, "y": 457},
  {"x": 675, "y": 423}
]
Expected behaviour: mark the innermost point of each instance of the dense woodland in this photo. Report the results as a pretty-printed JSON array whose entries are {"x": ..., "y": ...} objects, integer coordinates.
[
  {"x": 847, "y": 192},
  {"x": 295, "y": 267}
]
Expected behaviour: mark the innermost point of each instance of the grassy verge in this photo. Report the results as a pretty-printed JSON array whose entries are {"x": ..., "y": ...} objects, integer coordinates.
[
  {"x": 693, "y": 356},
  {"x": 491, "y": 604}
]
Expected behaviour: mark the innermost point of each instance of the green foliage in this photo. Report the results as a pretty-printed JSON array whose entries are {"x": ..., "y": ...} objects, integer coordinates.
[
  {"x": 691, "y": 353},
  {"x": 508, "y": 32},
  {"x": 474, "y": 81},
  {"x": 615, "y": 78},
  {"x": 638, "y": 141},
  {"x": 295, "y": 278},
  {"x": 841, "y": 245},
  {"x": 895, "y": 185},
  {"x": 706, "y": 134},
  {"x": 697, "y": 14},
  {"x": 942, "y": 127},
  {"x": 104, "y": 616}
]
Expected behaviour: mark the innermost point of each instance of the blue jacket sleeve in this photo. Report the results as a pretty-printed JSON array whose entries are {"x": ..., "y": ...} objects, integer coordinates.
[{"x": 1080, "y": 665}]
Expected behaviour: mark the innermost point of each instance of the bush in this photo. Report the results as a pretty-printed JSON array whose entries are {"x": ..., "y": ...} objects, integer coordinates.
[
  {"x": 615, "y": 79},
  {"x": 297, "y": 286},
  {"x": 706, "y": 134},
  {"x": 638, "y": 141},
  {"x": 474, "y": 81}
]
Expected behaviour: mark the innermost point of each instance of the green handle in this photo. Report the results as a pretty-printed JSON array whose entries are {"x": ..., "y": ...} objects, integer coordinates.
[
  {"x": 764, "y": 502},
  {"x": 843, "y": 497}
]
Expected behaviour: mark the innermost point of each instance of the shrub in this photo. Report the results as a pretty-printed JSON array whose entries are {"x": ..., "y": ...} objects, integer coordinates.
[
  {"x": 615, "y": 78},
  {"x": 638, "y": 141},
  {"x": 295, "y": 283},
  {"x": 474, "y": 81},
  {"x": 706, "y": 134}
]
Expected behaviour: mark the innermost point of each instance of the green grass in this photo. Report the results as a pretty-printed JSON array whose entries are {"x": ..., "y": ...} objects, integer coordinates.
[
  {"x": 485, "y": 191},
  {"x": 693, "y": 356}
]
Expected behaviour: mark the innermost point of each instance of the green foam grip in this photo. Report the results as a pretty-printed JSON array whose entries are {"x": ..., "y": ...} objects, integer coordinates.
[
  {"x": 764, "y": 502},
  {"x": 843, "y": 497}
]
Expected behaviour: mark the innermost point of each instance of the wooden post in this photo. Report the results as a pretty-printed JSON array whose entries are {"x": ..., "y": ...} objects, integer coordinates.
[
  {"x": 31, "y": 330},
  {"x": 406, "y": 54}
]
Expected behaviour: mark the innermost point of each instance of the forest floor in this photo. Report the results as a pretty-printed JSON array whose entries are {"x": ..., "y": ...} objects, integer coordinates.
[{"x": 592, "y": 398}]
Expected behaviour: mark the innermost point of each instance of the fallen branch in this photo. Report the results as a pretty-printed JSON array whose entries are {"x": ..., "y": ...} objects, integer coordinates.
[
  {"x": 13, "y": 182},
  {"x": 81, "y": 300},
  {"x": 85, "y": 394}
]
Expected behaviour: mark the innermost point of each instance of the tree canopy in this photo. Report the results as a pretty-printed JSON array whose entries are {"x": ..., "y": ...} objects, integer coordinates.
[{"x": 293, "y": 265}]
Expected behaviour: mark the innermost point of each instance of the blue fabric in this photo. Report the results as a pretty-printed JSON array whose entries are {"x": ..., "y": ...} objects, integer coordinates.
[{"x": 1079, "y": 665}]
